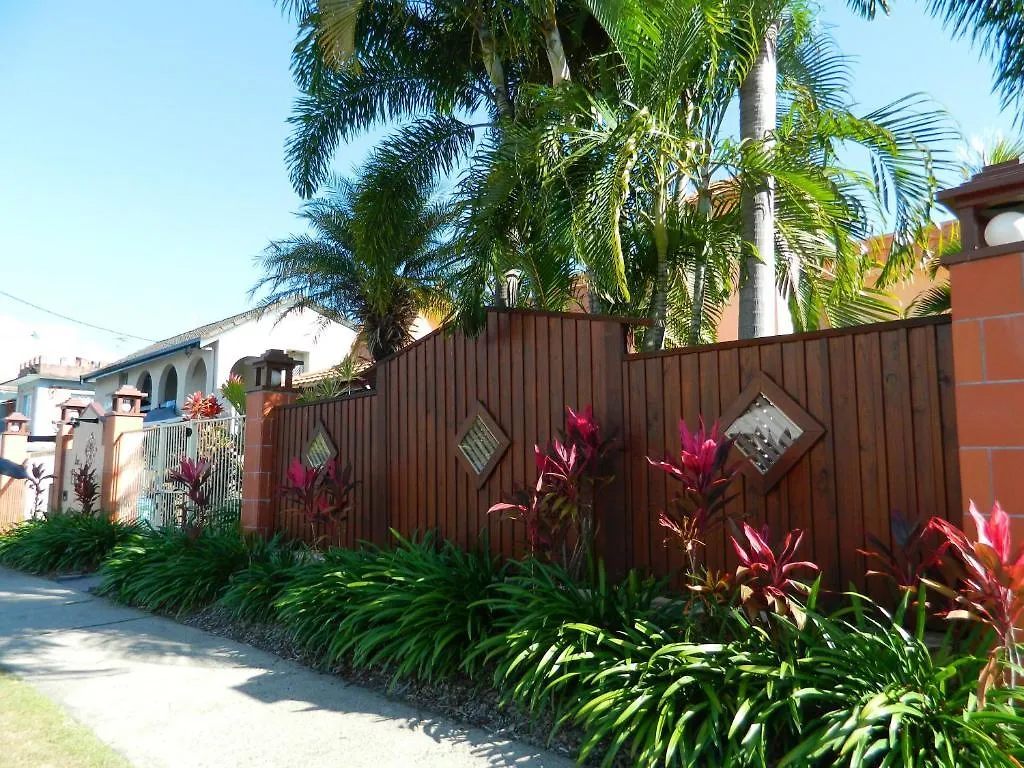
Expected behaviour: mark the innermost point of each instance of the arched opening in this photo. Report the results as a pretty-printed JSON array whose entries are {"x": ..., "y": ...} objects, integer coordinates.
[
  {"x": 168, "y": 386},
  {"x": 145, "y": 384},
  {"x": 196, "y": 380},
  {"x": 243, "y": 370}
]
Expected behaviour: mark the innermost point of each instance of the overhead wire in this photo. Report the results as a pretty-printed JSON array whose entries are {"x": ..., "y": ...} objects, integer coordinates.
[{"x": 72, "y": 319}]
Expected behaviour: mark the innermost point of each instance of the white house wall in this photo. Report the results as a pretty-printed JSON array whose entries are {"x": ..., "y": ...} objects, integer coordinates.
[
  {"x": 44, "y": 407},
  {"x": 299, "y": 333}
]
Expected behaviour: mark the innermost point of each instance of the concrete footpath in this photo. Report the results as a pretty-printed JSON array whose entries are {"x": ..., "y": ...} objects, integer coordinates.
[{"x": 163, "y": 694}]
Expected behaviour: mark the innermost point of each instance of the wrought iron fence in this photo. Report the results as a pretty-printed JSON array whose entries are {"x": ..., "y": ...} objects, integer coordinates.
[{"x": 147, "y": 494}]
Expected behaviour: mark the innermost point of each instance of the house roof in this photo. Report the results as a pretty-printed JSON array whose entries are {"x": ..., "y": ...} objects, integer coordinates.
[{"x": 194, "y": 338}]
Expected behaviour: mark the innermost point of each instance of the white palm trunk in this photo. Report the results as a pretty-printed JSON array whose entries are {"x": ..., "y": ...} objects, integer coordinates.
[
  {"x": 758, "y": 310},
  {"x": 553, "y": 47},
  {"x": 495, "y": 69}
]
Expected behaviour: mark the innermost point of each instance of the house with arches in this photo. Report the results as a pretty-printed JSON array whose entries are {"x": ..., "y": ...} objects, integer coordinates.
[{"x": 201, "y": 359}]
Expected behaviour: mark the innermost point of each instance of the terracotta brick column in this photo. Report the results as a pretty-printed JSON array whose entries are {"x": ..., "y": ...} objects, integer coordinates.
[
  {"x": 987, "y": 285},
  {"x": 13, "y": 447},
  {"x": 273, "y": 373},
  {"x": 70, "y": 410},
  {"x": 122, "y": 437}
]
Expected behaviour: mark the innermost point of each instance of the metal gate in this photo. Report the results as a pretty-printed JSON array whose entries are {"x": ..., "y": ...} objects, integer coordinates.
[{"x": 156, "y": 500}]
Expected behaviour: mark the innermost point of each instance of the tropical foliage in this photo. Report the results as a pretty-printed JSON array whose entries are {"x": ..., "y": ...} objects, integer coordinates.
[
  {"x": 71, "y": 543},
  {"x": 343, "y": 267},
  {"x": 704, "y": 473},
  {"x": 558, "y": 510},
  {"x": 583, "y": 147}
]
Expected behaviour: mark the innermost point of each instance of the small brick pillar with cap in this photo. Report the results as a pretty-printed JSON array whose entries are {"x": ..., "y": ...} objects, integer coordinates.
[
  {"x": 13, "y": 447},
  {"x": 122, "y": 437},
  {"x": 70, "y": 410},
  {"x": 987, "y": 287},
  {"x": 273, "y": 376}
]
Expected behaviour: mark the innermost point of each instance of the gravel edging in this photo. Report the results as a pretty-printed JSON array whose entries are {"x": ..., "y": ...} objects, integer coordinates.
[{"x": 459, "y": 699}]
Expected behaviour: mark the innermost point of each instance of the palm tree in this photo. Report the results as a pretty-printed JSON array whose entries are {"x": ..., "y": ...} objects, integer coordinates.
[
  {"x": 343, "y": 270},
  {"x": 998, "y": 27},
  {"x": 654, "y": 183}
]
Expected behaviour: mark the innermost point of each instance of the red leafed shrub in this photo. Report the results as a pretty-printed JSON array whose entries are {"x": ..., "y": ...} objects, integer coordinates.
[
  {"x": 918, "y": 551},
  {"x": 766, "y": 576},
  {"x": 989, "y": 585},
  {"x": 192, "y": 476},
  {"x": 704, "y": 474},
  {"x": 85, "y": 487},
  {"x": 530, "y": 507},
  {"x": 200, "y": 406},
  {"x": 321, "y": 493},
  {"x": 558, "y": 510}
]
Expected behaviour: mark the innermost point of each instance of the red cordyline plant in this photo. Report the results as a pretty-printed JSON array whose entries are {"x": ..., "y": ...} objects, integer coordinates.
[
  {"x": 558, "y": 510},
  {"x": 766, "y": 576},
  {"x": 917, "y": 552},
  {"x": 990, "y": 585},
  {"x": 200, "y": 406},
  {"x": 37, "y": 476},
  {"x": 322, "y": 493},
  {"x": 192, "y": 476},
  {"x": 85, "y": 487},
  {"x": 705, "y": 474}
]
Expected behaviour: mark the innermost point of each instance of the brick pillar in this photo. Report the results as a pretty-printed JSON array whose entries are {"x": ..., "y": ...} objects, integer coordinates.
[
  {"x": 70, "y": 410},
  {"x": 13, "y": 447},
  {"x": 61, "y": 449},
  {"x": 987, "y": 286},
  {"x": 273, "y": 375},
  {"x": 122, "y": 437}
]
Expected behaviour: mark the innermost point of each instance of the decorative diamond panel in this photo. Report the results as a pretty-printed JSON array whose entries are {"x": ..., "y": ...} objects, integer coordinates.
[
  {"x": 320, "y": 449},
  {"x": 763, "y": 433},
  {"x": 480, "y": 443},
  {"x": 772, "y": 431}
]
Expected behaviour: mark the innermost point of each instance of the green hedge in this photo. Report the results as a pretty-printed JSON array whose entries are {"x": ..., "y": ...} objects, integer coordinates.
[{"x": 63, "y": 543}]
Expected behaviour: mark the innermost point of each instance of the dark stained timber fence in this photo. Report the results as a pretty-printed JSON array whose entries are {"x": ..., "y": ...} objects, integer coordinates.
[
  {"x": 881, "y": 397},
  {"x": 884, "y": 396}
]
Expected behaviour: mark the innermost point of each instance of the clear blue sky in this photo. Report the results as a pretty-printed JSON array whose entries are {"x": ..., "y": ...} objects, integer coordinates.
[{"x": 141, "y": 150}]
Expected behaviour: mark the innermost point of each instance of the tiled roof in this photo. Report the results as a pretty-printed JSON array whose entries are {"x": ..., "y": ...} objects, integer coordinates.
[
  {"x": 180, "y": 341},
  {"x": 189, "y": 338}
]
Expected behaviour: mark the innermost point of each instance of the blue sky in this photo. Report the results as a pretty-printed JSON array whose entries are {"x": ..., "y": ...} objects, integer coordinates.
[{"x": 141, "y": 152}]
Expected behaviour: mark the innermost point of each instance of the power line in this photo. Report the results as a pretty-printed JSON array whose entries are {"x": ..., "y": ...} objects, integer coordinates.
[{"x": 72, "y": 319}]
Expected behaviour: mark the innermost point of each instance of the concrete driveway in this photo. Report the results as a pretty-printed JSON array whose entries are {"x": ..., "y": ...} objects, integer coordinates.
[{"x": 163, "y": 694}]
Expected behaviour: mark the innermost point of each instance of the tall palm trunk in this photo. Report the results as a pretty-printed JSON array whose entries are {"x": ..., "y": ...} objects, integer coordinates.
[
  {"x": 553, "y": 47},
  {"x": 654, "y": 339},
  {"x": 495, "y": 68},
  {"x": 704, "y": 208},
  {"x": 758, "y": 106}
]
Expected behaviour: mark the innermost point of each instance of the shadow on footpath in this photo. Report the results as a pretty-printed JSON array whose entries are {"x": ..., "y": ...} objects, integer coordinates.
[{"x": 34, "y": 614}]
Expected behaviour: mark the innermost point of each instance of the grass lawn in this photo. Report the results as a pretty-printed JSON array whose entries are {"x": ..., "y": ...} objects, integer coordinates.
[{"x": 36, "y": 733}]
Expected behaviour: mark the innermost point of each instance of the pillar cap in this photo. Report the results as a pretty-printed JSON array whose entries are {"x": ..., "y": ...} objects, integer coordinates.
[
  {"x": 127, "y": 401},
  {"x": 271, "y": 362},
  {"x": 72, "y": 408},
  {"x": 995, "y": 189},
  {"x": 15, "y": 424}
]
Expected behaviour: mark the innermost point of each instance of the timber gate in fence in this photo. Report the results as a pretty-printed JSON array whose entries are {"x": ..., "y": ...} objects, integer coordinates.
[{"x": 867, "y": 419}]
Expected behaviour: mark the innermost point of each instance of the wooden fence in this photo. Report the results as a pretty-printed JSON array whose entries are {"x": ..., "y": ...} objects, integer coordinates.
[{"x": 881, "y": 397}]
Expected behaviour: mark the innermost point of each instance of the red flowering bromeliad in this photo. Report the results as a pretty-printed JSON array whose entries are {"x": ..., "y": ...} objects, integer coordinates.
[
  {"x": 990, "y": 585},
  {"x": 192, "y": 476},
  {"x": 558, "y": 510},
  {"x": 322, "y": 492},
  {"x": 704, "y": 471},
  {"x": 200, "y": 406},
  {"x": 766, "y": 576}
]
